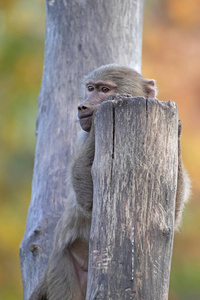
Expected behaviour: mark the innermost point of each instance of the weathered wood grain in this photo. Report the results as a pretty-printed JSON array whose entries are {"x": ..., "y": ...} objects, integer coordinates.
[{"x": 135, "y": 181}]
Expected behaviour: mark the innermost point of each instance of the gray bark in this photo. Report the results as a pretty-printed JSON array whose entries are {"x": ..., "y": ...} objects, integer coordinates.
[
  {"x": 135, "y": 181},
  {"x": 80, "y": 36}
]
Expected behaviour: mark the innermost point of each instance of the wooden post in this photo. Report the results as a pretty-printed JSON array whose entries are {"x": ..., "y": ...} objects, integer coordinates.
[{"x": 135, "y": 181}]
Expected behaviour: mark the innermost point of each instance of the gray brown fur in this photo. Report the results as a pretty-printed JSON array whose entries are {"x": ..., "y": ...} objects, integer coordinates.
[{"x": 66, "y": 273}]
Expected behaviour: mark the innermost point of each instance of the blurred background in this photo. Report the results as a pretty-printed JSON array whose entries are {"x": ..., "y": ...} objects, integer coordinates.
[{"x": 171, "y": 52}]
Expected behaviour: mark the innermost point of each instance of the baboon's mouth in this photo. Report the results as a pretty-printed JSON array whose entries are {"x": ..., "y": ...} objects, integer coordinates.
[
  {"x": 86, "y": 122},
  {"x": 85, "y": 117}
]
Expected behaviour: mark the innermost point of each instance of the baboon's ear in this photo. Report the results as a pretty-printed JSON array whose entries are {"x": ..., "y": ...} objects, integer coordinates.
[{"x": 151, "y": 88}]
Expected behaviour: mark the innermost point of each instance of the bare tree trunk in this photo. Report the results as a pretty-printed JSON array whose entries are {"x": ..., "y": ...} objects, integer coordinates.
[
  {"x": 80, "y": 36},
  {"x": 135, "y": 181}
]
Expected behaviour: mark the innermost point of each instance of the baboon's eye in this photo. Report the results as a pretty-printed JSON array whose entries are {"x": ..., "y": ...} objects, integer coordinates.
[
  {"x": 105, "y": 89},
  {"x": 90, "y": 88}
]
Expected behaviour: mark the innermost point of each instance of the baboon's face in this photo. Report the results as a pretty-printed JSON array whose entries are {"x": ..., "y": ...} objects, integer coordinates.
[{"x": 95, "y": 93}]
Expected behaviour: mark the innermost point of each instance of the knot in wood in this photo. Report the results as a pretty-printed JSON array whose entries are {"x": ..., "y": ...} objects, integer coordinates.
[
  {"x": 166, "y": 231},
  {"x": 34, "y": 248}
]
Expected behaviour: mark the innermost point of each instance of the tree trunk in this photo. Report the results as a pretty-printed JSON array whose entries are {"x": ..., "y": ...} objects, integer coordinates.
[
  {"x": 135, "y": 181},
  {"x": 80, "y": 36}
]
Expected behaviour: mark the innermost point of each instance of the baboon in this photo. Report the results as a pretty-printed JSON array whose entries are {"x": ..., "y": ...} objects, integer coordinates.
[{"x": 66, "y": 272}]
